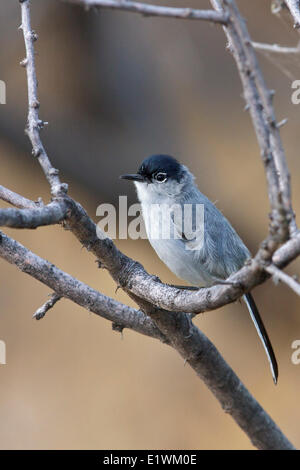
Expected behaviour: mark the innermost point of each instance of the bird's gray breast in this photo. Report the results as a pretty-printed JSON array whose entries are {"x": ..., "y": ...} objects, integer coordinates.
[{"x": 170, "y": 244}]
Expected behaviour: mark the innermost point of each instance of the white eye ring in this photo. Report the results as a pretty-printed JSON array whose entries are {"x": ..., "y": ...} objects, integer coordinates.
[{"x": 160, "y": 177}]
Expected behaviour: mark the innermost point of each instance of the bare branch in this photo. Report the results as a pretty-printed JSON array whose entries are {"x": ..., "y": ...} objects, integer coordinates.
[
  {"x": 132, "y": 277},
  {"x": 151, "y": 295},
  {"x": 41, "y": 312},
  {"x": 155, "y": 10},
  {"x": 176, "y": 329},
  {"x": 71, "y": 288},
  {"x": 276, "y": 49},
  {"x": 259, "y": 100},
  {"x": 34, "y": 123},
  {"x": 197, "y": 350},
  {"x": 16, "y": 200},
  {"x": 279, "y": 275},
  {"x": 294, "y": 7},
  {"x": 33, "y": 218}
]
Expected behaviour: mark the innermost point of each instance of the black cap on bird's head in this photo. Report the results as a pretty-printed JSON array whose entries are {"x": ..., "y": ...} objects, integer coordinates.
[{"x": 159, "y": 168}]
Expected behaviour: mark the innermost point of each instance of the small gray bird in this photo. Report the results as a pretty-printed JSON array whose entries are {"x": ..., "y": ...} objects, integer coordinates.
[{"x": 202, "y": 250}]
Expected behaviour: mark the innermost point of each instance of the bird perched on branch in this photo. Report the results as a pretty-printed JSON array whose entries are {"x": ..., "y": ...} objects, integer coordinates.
[{"x": 189, "y": 234}]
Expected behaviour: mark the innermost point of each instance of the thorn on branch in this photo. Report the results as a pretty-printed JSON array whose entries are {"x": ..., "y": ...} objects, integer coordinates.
[
  {"x": 39, "y": 202},
  {"x": 117, "y": 288},
  {"x": 282, "y": 123},
  {"x": 277, "y": 6},
  {"x": 35, "y": 104},
  {"x": 272, "y": 94},
  {"x": 99, "y": 263},
  {"x": 24, "y": 62},
  {"x": 118, "y": 327},
  {"x": 266, "y": 157},
  {"x": 36, "y": 152},
  {"x": 41, "y": 312},
  {"x": 41, "y": 124},
  {"x": 33, "y": 36},
  {"x": 53, "y": 171}
]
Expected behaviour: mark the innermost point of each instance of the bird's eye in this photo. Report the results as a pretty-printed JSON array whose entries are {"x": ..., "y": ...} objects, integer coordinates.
[{"x": 160, "y": 177}]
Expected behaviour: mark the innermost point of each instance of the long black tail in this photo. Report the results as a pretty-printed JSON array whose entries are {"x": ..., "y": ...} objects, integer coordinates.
[{"x": 256, "y": 318}]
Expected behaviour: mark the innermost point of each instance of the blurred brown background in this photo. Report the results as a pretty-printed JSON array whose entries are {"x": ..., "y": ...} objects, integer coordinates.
[{"x": 116, "y": 87}]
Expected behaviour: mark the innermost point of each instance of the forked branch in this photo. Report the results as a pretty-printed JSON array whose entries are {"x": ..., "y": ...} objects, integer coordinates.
[{"x": 165, "y": 305}]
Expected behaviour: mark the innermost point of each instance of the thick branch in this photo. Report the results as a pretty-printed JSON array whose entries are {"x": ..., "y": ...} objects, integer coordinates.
[
  {"x": 174, "y": 328},
  {"x": 177, "y": 329},
  {"x": 133, "y": 278},
  {"x": 33, "y": 218},
  {"x": 131, "y": 275},
  {"x": 198, "y": 351},
  {"x": 155, "y": 10},
  {"x": 67, "y": 286}
]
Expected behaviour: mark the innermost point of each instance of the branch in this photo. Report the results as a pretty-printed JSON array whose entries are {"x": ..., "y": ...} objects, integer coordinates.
[
  {"x": 276, "y": 49},
  {"x": 16, "y": 200},
  {"x": 178, "y": 330},
  {"x": 71, "y": 288},
  {"x": 279, "y": 275},
  {"x": 41, "y": 312},
  {"x": 175, "y": 328},
  {"x": 294, "y": 7},
  {"x": 33, "y": 218},
  {"x": 210, "y": 366},
  {"x": 259, "y": 100},
  {"x": 34, "y": 123},
  {"x": 154, "y": 10},
  {"x": 133, "y": 278}
]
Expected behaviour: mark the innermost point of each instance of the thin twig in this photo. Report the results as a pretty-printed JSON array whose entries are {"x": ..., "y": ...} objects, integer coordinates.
[
  {"x": 16, "y": 199},
  {"x": 259, "y": 99},
  {"x": 34, "y": 123},
  {"x": 41, "y": 312},
  {"x": 280, "y": 275},
  {"x": 294, "y": 7},
  {"x": 155, "y": 10},
  {"x": 276, "y": 49}
]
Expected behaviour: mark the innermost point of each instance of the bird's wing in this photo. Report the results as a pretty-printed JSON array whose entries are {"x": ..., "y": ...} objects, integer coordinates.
[
  {"x": 189, "y": 225},
  {"x": 204, "y": 230}
]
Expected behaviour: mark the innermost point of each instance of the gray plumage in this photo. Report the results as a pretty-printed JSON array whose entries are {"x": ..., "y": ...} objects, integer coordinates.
[{"x": 201, "y": 254}]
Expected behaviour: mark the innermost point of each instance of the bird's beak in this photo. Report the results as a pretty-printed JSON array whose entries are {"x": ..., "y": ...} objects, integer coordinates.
[{"x": 135, "y": 177}]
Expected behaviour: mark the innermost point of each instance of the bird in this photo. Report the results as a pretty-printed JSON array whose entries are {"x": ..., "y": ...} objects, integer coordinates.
[{"x": 203, "y": 250}]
